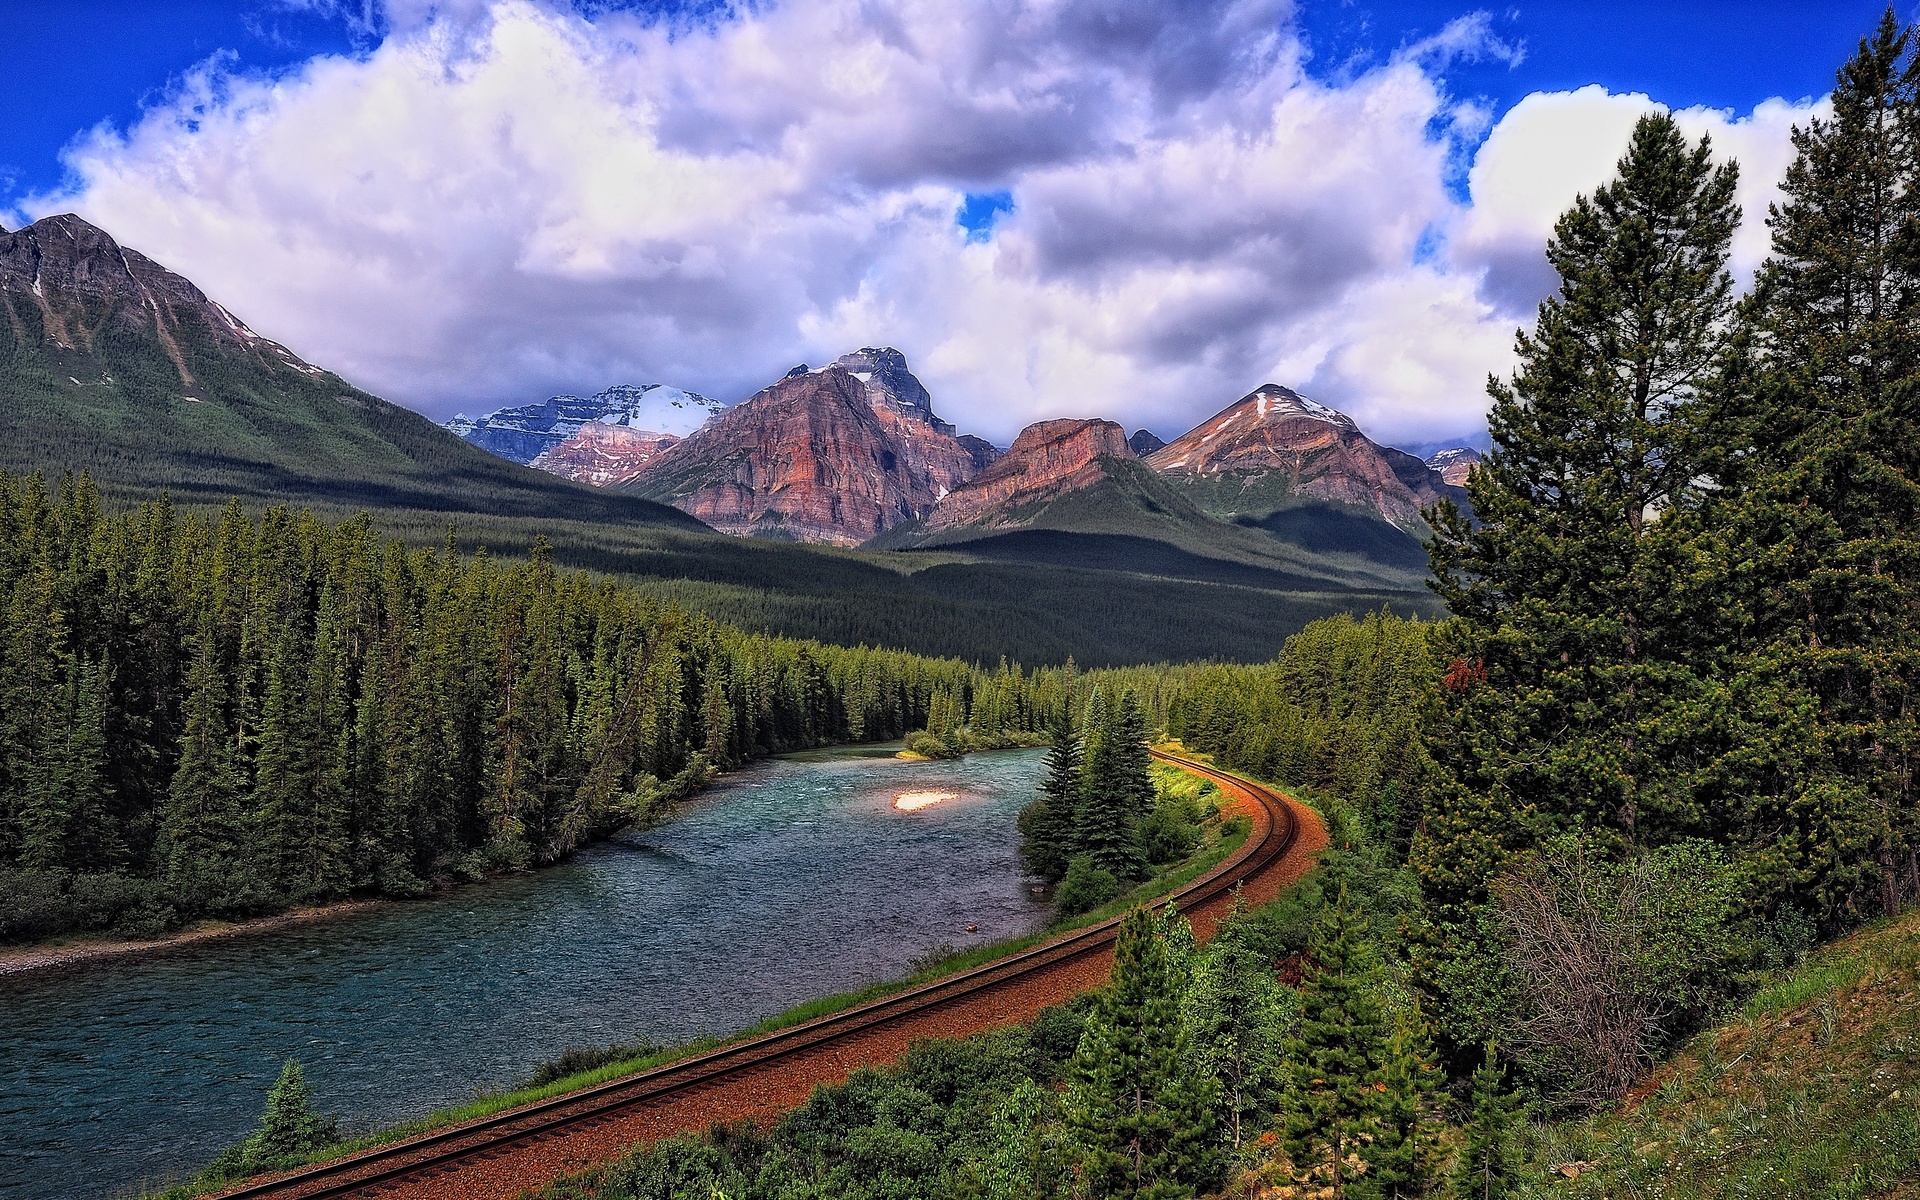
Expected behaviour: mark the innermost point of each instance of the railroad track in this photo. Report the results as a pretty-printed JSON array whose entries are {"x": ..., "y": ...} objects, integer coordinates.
[{"x": 419, "y": 1160}]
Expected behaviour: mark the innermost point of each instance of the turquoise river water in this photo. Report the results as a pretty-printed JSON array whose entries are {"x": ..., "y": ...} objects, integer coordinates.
[{"x": 791, "y": 880}]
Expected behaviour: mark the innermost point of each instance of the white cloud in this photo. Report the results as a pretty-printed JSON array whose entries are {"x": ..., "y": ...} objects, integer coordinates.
[
  {"x": 502, "y": 200},
  {"x": 1554, "y": 146}
]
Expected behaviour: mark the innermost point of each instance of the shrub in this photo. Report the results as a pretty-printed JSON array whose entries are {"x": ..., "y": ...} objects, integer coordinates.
[
  {"x": 1166, "y": 836},
  {"x": 1086, "y": 887},
  {"x": 1613, "y": 960},
  {"x": 32, "y": 904},
  {"x": 577, "y": 1059}
]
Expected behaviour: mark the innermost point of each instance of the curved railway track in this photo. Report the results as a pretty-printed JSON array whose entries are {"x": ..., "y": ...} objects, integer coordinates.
[{"x": 433, "y": 1164}]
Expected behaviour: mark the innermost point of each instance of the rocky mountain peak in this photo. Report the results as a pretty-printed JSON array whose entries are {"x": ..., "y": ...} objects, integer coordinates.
[
  {"x": 1049, "y": 458},
  {"x": 1274, "y": 446},
  {"x": 1144, "y": 442},
  {"x": 80, "y": 283},
  {"x": 1455, "y": 464},
  {"x": 888, "y": 382},
  {"x": 826, "y": 454}
]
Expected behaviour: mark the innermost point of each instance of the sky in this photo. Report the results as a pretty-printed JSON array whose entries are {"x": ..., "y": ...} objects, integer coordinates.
[{"x": 1134, "y": 210}]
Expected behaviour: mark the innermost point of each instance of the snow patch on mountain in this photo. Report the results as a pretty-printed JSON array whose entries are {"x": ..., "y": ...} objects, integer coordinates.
[{"x": 525, "y": 432}]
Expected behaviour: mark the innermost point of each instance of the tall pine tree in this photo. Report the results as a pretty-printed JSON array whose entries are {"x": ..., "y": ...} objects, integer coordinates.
[
  {"x": 1817, "y": 540},
  {"x": 1141, "y": 1114},
  {"x": 1571, "y": 683}
]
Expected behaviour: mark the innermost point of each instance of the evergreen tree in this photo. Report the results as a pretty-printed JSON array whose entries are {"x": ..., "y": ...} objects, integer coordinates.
[
  {"x": 1573, "y": 694},
  {"x": 289, "y": 1129},
  {"x": 1489, "y": 1164},
  {"x": 1109, "y": 802},
  {"x": 1815, "y": 543},
  {"x": 203, "y": 831},
  {"x": 1234, "y": 1015},
  {"x": 1407, "y": 1158},
  {"x": 1333, "y": 1119},
  {"x": 1141, "y": 1114},
  {"x": 1046, "y": 826}
]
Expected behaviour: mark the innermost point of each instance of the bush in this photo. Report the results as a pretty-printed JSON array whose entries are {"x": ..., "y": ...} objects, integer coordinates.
[
  {"x": 1085, "y": 888},
  {"x": 577, "y": 1059},
  {"x": 928, "y": 746},
  {"x": 32, "y": 904},
  {"x": 1613, "y": 960},
  {"x": 1166, "y": 836}
]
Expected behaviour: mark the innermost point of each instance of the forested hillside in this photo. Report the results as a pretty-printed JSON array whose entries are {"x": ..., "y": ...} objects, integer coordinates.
[{"x": 221, "y": 717}]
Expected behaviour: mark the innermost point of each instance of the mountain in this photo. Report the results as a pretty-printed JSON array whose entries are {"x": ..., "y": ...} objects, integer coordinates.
[
  {"x": 522, "y": 434},
  {"x": 1275, "y": 449},
  {"x": 1453, "y": 465},
  {"x": 1144, "y": 442},
  {"x": 834, "y": 454},
  {"x": 113, "y": 363},
  {"x": 603, "y": 455},
  {"x": 1070, "y": 493},
  {"x": 1049, "y": 459}
]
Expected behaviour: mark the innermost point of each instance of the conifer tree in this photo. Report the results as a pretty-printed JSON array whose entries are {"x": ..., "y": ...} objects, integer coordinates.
[
  {"x": 1141, "y": 1114},
  {"x": 1234, "y": 1016},
  {"x": 1333, "y": 1118},
  {"x": 289, "y": 1128},
  {"x": 1408, "y": 1157},
  {"x": 1046, "y": 826},
  {"x": 1489, "y": 1162},
  {"x": 1817, "y": 537},
  {"x": 203, "y": 831},
  {"x": 1570, "y": 666},
  {"x": 1109, "y": 802}
]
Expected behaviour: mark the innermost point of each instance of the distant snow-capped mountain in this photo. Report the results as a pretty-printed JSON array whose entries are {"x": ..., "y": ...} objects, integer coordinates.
[{"x": 525, "y": 432}]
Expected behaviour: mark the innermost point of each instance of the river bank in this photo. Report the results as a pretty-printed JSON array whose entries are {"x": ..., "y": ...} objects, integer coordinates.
[{"x": 46, "y": 956}]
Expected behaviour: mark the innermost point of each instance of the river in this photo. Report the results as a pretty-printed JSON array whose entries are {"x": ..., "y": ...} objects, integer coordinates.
[{"x": 793, "y": 879}]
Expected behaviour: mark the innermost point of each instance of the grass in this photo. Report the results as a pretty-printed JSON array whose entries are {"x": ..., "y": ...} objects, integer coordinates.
[
  {"x": 1220, "y": 840},
  {"x": 1811, "y": 1089}
]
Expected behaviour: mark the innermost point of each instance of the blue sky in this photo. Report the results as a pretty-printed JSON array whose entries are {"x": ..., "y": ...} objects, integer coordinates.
[{"x": 1054, "y": 207}]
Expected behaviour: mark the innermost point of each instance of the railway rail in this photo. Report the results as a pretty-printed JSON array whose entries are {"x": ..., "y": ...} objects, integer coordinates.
[{"x": 422, "y": 1164}]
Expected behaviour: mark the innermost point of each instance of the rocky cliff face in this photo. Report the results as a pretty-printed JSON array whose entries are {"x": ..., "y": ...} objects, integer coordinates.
[
  {"x": 1275, "y": 447},
  {"x": 529, "y": 430},
  {"x": 603, "y": 455},
  {"x": 79, "y": 288},
  {"x": 1453, "y": 466},
  {"x": 828, "y": 454},
  {"x": 1048, "y": 459}
]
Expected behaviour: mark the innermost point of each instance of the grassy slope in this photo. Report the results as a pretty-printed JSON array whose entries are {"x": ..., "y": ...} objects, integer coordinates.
[{"x": 1811, "y": 1090}]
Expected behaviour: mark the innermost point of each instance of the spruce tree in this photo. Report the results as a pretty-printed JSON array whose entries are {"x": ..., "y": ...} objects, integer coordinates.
[
  {"x": 1571, "y": 666},
  {"x": 1234, "y": 1015},
  {"x": 1407, "y": 1159},
  {"x": 1046, "y": 826},
  {"x": 1333, "y": 1109},
  {"x": 289, "y": 1128},
  {"x": 1489, "y": 1163},
  {"x": 1105, "y": 822},
  {"x": 1141, "y": 1114},
  {"x": 203, "y": 834},
  {"x": 1816, "y": 539}
]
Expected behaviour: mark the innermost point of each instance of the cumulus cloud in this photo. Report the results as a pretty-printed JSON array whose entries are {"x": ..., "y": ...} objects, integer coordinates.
[{"x": 500, "y": 199}]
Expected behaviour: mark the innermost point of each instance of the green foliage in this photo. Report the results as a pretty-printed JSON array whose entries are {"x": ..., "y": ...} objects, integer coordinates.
[
  {"x": 1085, "y": 887},
  {"x": 1141, "y": 1112},
  {"x": 289, "y": 1131},
  {"x": 1047, "y": 837},
  {"x": 1333, "y": 1118},
  {"x": 219, "y": 717},
  {"x": 1489, "y": 1164},
  {"x": 1237, "y": 1015}
]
